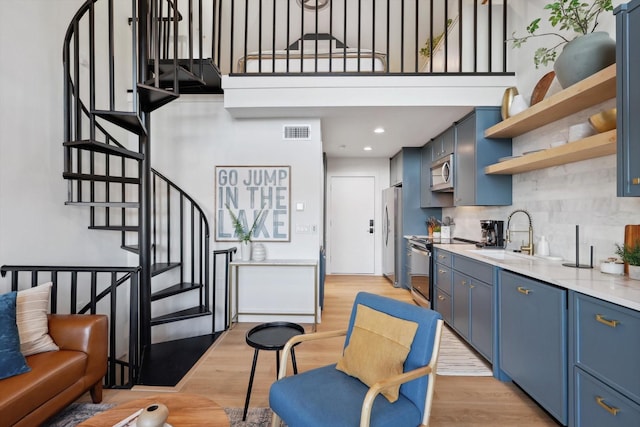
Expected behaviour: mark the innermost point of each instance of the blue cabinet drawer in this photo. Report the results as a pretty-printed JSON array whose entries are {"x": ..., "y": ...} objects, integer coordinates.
[
  {"x": 607, "y": 343},
  {"x": 598, "y": 405},
  {"x": 442, "y": 257},
  {"x": 443, "y": 305},
  {"x": 476, "y": 269},
  {"x": 442, "y": 275}
]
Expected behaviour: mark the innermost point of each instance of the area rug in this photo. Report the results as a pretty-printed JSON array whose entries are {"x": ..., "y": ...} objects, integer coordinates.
[
  {"x": 457, "y": 358},
  {"x": 256, "y": 417},
  {"x": 76, "y": 413}
]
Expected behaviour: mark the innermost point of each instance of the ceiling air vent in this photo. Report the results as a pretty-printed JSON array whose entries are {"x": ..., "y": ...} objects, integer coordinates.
[{"x": 296, "y": 132}]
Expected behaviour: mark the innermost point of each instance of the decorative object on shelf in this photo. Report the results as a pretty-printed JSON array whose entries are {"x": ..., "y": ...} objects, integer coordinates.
[
  {"x": 507, "y": 99},
  {"x": 579, "y": 131},
  {"x": 604, "y": 120},
  {"x": 630, "y": 254},
  {"x": 313, "y": 4},
  {"x": 518, "y": 105},
  {"x": 542, "y": 87},
  {"x": 582, "y": 55},
  {"x": 258, "y": 252}
]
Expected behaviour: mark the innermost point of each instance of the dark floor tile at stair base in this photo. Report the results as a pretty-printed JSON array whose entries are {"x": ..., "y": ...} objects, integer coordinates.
[{"x": 166, "y": 363}]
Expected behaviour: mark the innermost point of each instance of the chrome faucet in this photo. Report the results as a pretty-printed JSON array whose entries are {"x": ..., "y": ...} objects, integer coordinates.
[{"x": 529, "y": 248}]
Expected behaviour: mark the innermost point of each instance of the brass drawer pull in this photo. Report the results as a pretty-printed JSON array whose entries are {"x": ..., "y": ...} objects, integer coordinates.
[
  {"x": 612, "y": 323},
  {"x": 442, "y": 271},
  {"x": 440, "y": 297},
  {"x": 610, "y": 409},
  {"x": 464, "y": 282},
  {"x": 635, "y": 181},
  {"x": 442, "y": 256},
  {"x": 523, "y": 290}
]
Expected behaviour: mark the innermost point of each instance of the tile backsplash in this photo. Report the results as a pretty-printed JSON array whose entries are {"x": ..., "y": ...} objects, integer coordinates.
[{"x": 559, "y": 198}]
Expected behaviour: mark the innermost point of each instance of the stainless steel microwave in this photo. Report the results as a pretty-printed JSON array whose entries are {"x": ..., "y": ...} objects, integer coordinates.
[{"x": 442, "y": 174}]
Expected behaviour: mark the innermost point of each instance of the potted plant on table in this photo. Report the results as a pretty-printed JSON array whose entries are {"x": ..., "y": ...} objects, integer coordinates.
[
  {"x": 243, "y": 233},
  {"x": 585, "y": 52},
  {"x": 630, "y": 254}
]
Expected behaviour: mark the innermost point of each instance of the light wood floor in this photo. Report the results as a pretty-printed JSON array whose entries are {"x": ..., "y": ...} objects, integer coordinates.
[{"x": 223, "y": 373}]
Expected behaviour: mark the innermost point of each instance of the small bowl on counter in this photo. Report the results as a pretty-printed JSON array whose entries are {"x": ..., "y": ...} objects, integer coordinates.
[{"x": 612, "y": 266}]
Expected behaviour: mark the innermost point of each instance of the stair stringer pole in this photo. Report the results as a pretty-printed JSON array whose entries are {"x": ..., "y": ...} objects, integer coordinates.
[{"x": 144, "y": 195}]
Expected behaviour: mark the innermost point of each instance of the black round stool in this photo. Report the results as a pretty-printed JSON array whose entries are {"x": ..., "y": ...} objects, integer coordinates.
[{"x": 270, "y": 336}]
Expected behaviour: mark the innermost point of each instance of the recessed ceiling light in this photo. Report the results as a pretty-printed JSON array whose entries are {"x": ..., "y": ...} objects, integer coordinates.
[
  {"x": 379, "y": 130},
  {"x": 367, "y": 148}
]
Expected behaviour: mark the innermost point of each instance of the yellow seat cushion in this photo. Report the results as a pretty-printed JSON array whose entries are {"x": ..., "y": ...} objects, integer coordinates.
[{"x": 377, "y": 349}]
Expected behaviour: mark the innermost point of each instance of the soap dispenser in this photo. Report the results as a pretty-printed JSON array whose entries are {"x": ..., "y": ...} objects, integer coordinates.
[{"x": 543, "y": 247}]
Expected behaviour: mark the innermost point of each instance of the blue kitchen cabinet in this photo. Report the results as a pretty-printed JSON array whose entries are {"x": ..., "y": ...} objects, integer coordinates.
[
  {"x": 443, "y": 144},
  {"x": 406, "y": 163},
  {"x": 473, "y": 303},
  {"x": 532, "y": 326},
  {"x": 473, "y": 152},
  {"x": 605, "y": 343},
  {"x": 464, "y": 297},
  {"x": 628, "y": 97}
]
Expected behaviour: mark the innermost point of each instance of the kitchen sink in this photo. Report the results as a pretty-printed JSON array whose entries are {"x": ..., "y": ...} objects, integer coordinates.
[{"x": 500, "y": 254}]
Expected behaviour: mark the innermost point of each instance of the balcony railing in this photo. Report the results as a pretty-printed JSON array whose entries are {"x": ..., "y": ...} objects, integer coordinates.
[{"x": 377, "y": 37}]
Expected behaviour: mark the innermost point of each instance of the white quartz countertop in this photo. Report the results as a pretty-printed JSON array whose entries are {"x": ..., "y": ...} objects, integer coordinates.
[{"x": 612, "y": 288}]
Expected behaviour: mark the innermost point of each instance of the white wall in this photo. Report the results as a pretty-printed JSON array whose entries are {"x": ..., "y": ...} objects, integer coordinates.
[
  {"x": 375, "y": 167},
  {"x": 193, "y": 135},
  {"x": 35, "y": 225}
]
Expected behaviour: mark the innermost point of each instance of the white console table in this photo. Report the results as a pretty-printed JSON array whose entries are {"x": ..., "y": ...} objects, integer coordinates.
[{"x": 278, "y": 287}]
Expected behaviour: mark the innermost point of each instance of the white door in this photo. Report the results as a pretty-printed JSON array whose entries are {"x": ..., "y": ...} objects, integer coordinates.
[{"x": 351, "y": 236}]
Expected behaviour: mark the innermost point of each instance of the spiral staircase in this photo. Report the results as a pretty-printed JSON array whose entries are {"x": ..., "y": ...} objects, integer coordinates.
[{"x": 111, "y": 88}]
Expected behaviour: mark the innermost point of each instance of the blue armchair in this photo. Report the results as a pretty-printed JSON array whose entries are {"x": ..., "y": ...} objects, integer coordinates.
[{"x": 329, "y": 397}]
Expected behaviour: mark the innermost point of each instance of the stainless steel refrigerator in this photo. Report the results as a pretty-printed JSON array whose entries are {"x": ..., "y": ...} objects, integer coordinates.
[{"x": 392, "y": 234}]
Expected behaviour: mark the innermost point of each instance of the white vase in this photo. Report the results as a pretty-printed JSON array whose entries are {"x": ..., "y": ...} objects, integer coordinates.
[
  {"x": 258, "y": 252},
  {"x": 245, "y": 250},
  {"x": 634, "y": 272}
]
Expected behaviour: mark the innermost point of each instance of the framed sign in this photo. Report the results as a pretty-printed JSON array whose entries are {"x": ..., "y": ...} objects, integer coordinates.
[{"x": 248, "y": 190}]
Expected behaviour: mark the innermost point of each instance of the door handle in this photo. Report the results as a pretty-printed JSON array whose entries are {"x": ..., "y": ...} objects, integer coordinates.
[{"x": 370, "y": 230}]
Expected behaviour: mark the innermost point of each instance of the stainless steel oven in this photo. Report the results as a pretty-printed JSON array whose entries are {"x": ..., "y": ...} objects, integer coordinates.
[{"x": 419, "y": 270}]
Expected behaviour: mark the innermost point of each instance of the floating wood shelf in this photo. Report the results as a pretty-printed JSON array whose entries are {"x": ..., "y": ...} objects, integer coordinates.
[
  {"x": 598, "y": 145},
  {"x": 586, "y": 93}
]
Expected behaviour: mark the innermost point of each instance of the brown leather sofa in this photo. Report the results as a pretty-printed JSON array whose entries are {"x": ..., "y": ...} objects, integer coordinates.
[{"x": 57, "y": 378}]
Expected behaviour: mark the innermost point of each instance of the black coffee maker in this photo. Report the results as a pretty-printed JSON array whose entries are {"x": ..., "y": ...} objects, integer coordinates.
[{"x": 492, "y": 233}]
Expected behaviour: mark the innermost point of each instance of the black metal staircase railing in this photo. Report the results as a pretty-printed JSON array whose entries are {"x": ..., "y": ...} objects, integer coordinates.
[
  {"x": 110, "y": 90},
  {"x": 94, "y": 290}
]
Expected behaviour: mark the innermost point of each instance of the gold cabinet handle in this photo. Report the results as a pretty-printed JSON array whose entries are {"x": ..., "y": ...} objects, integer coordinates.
[
  {"x": 463, "y": 282},
  {"x": 635, "y": 181},
  {"x": 523, "y": 290},
  {"x": 610, "y": 409},
  {"x": 442, "y": 271},
  {"x": 441, "y": 257},
  {"x": 612, "y": 323},
  {"x": 472, "y": 286},
  {"x": 440, "y": 297}
]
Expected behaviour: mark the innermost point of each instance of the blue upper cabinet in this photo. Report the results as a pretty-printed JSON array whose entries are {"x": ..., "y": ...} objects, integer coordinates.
[
  {"x": 628, "y": 97},
  {"x": 473, "y": 152}
]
